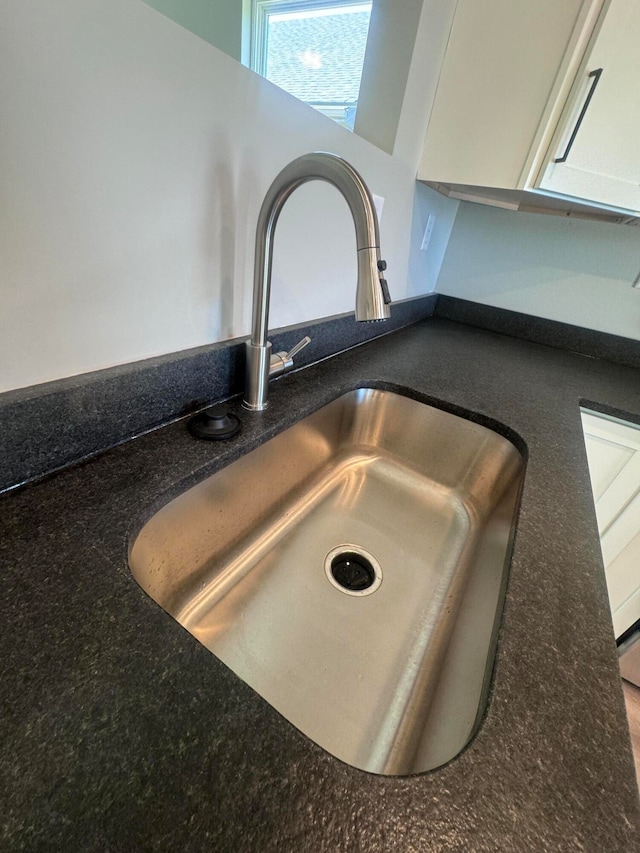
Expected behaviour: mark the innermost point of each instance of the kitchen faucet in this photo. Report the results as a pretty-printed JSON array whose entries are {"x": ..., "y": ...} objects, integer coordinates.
[{"x": 372, "y": 294}]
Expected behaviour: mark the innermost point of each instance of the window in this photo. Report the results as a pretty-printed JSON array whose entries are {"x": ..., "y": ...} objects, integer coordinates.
[{"x": 313, "y": 49}]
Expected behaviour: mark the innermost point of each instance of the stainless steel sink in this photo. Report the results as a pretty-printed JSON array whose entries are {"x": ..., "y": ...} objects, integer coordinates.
[{"x": 352, "y": 571}]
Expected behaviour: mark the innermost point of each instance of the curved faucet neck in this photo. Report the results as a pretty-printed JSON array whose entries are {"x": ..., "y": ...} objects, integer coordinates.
[
  {"x": 372, "y": 296},
  {"x": 336, "y": 171}
]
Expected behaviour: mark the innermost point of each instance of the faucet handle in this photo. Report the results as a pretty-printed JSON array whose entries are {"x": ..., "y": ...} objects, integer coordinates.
[
  {"x": 293, "y": 352},
  {"x": 283, "y": 361}
]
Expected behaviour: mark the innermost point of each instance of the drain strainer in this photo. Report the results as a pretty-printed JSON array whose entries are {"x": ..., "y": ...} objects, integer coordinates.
[{"x": 353, "y": 570}]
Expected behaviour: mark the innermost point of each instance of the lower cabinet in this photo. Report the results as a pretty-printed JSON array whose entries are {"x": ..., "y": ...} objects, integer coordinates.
[{"x": 613, "y": 451}]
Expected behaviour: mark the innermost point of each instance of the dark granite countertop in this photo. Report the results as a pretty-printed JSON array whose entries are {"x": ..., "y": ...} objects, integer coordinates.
[{"x": 120, "y": 732}]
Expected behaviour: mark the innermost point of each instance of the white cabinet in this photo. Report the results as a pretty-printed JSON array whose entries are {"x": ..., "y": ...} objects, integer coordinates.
[
  {"x": 597, "y": 155},
  {"x": 512, "y": 91},
  {"x": 613, "y": 450}
]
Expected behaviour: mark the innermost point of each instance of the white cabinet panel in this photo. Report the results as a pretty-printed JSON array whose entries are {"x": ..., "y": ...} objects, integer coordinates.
[
  {"x": 498, "y": 76},
  {"x": 622, "y": 530},
  {"x": 622, "y": 576},
  {"x": 514, "y": 82},
  {"x": 613, "y": 451},
  {"x": 603, "y": 161},
  {"x": 606, "y": 461}
]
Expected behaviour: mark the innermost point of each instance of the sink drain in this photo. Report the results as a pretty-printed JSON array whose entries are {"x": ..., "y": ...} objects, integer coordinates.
[{"x": 353, "y": 570}]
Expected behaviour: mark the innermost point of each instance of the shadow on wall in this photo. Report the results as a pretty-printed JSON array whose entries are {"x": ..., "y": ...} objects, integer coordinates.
[
  {"x": 425, "y": 264},
  {"x": 223, "y": 241}
]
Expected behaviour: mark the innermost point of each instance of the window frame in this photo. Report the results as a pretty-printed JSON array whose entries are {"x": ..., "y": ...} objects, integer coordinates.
[{"x": 260, "y": 11}]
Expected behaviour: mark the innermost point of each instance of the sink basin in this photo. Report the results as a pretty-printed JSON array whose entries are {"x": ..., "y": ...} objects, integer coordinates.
[{"x": 351, "y": 570}]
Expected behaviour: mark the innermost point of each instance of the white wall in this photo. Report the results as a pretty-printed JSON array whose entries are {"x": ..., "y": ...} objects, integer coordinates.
[
  {"x": 218, "y": 22},
  {"x": 572, "y": 270},
  {"x": 133, "y": 160}
]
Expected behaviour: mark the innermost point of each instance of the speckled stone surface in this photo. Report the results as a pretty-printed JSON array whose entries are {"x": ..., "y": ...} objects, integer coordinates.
[
  {"x": 119, "y": 732},
  {"x": 540, "y": 330},
  {"x": 48, "y": 426}
]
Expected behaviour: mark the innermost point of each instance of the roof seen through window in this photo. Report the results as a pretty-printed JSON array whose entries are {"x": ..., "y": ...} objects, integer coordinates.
[{"x": 318, "y": 55}]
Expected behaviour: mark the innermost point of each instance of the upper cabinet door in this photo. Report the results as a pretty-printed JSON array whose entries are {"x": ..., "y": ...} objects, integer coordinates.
[
  {"x": 498, "y": 75},
  {"x": 525, "y": 85},
  {"x": 596, "y": 155}
]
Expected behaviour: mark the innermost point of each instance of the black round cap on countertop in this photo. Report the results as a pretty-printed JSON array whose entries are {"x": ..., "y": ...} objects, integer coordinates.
[{"x": 214, "y": 424}]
